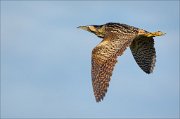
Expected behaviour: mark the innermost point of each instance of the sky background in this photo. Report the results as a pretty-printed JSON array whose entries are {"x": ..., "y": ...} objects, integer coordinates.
[{"x": 46, "y": 60}]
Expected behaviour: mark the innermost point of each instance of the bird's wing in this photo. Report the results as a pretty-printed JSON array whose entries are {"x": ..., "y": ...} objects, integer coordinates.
[
  {"x": 144, "y": 53},
  {"x": 104, "y": 58}
]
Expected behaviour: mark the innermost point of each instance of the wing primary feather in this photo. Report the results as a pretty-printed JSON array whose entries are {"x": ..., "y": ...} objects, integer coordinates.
[{"x": 144, "y": 53}]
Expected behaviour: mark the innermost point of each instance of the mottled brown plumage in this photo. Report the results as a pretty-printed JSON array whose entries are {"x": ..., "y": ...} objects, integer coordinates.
[
  {"x": 116, "y": 38},
  {"x": 144, "y": 53}
]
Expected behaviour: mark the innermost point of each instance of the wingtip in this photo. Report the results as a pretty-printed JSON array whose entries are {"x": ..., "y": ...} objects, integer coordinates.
[
  {"x": 98, "y": 100},
  {"x": 148, "y": 71}
]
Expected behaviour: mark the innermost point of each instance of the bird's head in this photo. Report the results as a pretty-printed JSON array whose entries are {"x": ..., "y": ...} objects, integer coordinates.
[{"x": 98, "y": 30}]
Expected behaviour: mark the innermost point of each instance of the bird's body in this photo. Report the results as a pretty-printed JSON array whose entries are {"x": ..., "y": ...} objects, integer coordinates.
[{"x": 116, "y": 38}]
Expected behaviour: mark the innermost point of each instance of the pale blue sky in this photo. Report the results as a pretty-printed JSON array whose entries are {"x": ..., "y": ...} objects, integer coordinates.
[{"x": 46, "y": 60}]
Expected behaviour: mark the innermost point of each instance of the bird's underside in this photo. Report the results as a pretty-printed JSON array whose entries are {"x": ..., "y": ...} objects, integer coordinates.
[{"x": 116, "y": 38}]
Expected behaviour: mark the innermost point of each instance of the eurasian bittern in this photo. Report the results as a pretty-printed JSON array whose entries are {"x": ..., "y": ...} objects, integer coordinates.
[{"x": 116, "y": 38}]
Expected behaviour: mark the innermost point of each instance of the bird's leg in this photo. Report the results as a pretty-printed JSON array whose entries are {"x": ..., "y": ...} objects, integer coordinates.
[
  {"x": 142, "y": 32},
  {"x": 154, "y": 34}
]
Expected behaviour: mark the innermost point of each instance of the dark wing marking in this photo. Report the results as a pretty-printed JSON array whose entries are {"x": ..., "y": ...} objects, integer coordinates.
[{"x": 144, "y": 53}]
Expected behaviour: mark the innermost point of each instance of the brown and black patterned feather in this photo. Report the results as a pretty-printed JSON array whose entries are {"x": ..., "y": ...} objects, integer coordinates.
[
  {"x": 104, "y": 58},
  {"x": 144, "y": 53},
  {"x": 116, "y": 38}
]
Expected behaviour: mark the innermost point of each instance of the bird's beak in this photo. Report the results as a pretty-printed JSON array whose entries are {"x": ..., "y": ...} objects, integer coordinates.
[
  {"x": 90, "y": 28},
  {"x": 84, "y": 28}
]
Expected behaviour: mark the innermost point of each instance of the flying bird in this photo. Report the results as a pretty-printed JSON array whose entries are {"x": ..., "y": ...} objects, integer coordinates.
[{"x": 116, "y": 38}]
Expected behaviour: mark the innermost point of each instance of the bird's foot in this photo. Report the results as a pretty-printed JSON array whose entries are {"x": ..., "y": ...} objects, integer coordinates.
[{"x": 154, "y": 34}]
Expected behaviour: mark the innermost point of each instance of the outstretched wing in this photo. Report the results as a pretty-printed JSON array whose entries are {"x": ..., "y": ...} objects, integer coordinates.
[
  {"x": 104, "y": 58},
  {"x": 144, "y": 53}
]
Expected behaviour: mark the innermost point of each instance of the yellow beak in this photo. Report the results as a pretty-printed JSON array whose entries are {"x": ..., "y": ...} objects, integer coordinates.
[{"x": 84, "y": 28}]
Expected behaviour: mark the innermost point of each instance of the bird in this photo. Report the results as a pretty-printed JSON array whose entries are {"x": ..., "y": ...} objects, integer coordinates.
[{"x": 116, "y": 38}]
